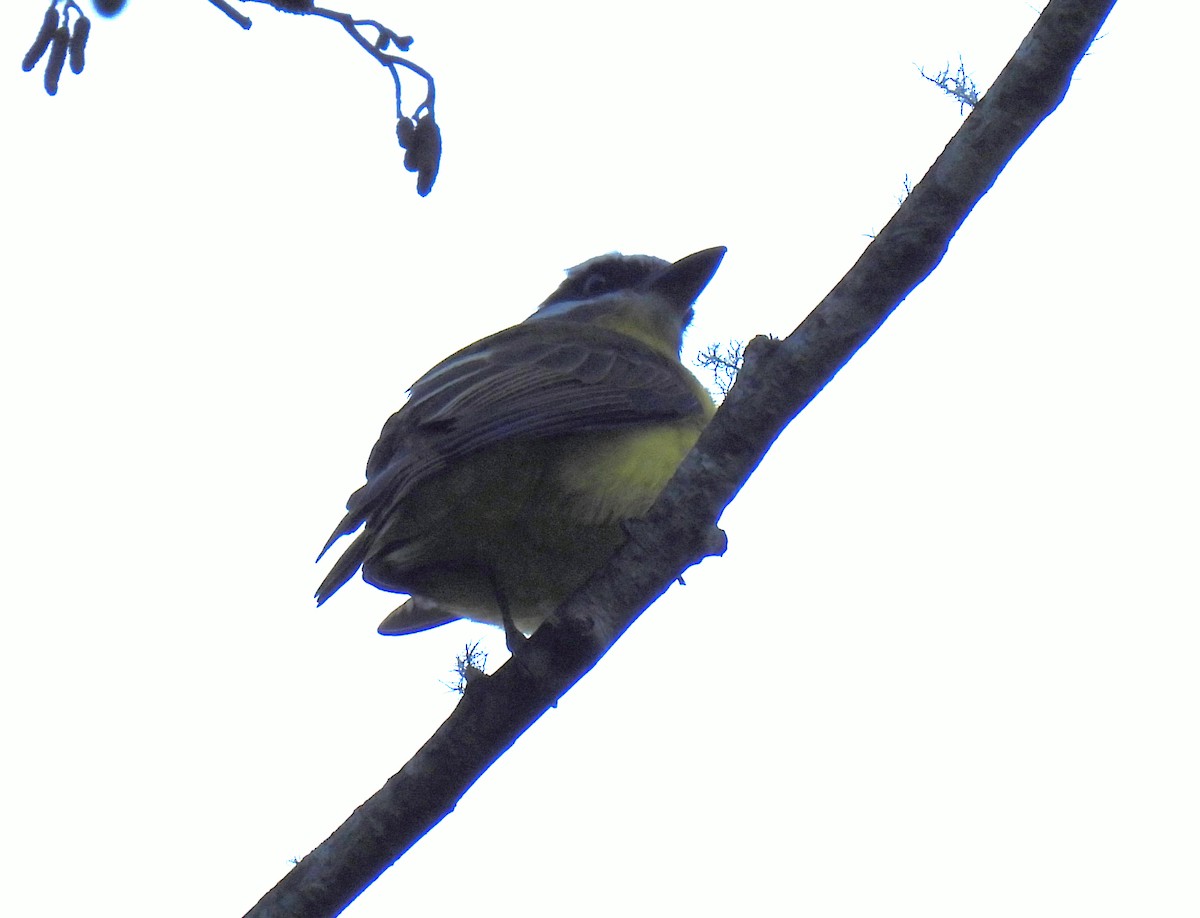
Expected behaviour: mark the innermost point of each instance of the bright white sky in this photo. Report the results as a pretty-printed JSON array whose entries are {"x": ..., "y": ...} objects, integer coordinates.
[{"x": 948, "y": 666}]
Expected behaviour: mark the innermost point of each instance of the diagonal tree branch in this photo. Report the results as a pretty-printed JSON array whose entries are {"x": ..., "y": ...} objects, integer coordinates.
[{"x": 779, "y": 378}]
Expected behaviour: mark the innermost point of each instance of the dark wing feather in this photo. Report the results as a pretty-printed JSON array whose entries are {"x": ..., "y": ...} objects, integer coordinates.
[
  {"x": 551, "y": 379},
  {"x": 565, "y": 378},
  {"x": 543, "y": 379}
]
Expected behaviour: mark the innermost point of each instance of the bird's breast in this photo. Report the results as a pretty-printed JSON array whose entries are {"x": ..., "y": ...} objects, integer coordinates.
[{"x": 613, "y": 475}]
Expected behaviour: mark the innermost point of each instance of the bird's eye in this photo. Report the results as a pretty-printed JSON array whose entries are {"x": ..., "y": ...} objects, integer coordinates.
[{"x": 594, "y": 284}]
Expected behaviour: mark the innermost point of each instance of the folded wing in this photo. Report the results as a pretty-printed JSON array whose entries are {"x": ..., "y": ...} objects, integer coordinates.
[{"x": 566, "y": 378}]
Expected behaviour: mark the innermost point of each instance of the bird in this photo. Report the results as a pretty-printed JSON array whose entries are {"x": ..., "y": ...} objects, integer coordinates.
[{"x": 504, "y": 481}]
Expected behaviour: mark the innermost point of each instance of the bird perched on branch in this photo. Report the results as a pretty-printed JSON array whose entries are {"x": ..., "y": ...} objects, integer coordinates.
[{"x": 502, "y": 483}]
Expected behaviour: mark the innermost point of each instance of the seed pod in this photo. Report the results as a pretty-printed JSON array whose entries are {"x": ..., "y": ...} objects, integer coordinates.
[
  {"x": 417, "y": 139},
  {"x": 58, "y": 57},
  {"x": 42, "y": 42},
  {"x": 108, "y": 7},
  {"x": 428, "y": 141},
  {"x": 79, "y": 38},
  {"x": 404, "y": 132}
]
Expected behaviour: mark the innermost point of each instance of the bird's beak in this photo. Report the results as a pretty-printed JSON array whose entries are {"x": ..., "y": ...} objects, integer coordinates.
[{"x": 683, "y": 280}]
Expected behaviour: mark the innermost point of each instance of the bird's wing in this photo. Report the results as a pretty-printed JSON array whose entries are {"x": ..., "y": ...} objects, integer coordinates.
[
  {"x": 545, "y": 380},
  {"x": 548, "y": 379}
]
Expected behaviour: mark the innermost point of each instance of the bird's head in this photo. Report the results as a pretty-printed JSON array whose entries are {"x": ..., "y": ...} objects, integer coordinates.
[{"x": 640, "y": 295}]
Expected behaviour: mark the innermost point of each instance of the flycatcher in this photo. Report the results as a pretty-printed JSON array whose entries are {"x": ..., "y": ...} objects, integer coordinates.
[{"x": 502, "y": 483}]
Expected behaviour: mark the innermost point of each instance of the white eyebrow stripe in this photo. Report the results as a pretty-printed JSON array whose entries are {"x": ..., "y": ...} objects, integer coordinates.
[{"x": 557, "y": 310}]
